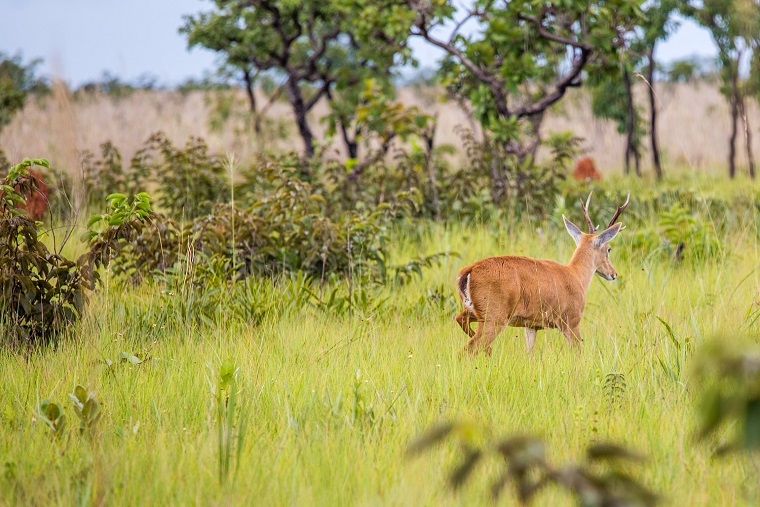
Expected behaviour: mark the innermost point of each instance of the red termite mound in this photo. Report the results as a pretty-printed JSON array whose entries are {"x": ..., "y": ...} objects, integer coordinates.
[
  {"x": 36, "y": 203},
  {"x": 585, "y": 170}
]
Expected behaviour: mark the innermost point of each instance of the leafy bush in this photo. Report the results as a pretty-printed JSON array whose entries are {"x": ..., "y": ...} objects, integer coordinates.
[
  {"x": 41, "y": 292},
  {"x": 101, "y": 176},
  {"x": 190, "y": 180},
  {"x": 517, "y": 187}
]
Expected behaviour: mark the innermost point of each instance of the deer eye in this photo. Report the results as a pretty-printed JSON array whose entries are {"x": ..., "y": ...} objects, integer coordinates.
[{"x": 609, "y": 249}]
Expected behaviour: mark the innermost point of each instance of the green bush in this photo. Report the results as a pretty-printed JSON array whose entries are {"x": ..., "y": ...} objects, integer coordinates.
[{"x": 41, "y": 292}]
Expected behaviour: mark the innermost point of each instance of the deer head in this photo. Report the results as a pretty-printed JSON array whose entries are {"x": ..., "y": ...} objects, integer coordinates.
[{"x": 593, "y": 249}]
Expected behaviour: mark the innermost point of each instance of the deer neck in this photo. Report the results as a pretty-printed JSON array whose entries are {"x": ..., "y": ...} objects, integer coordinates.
[{"x": 583, "y": 266}]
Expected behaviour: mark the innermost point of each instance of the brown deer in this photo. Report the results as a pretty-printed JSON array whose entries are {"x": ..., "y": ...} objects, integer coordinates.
[{"x": 535, "y": 294}]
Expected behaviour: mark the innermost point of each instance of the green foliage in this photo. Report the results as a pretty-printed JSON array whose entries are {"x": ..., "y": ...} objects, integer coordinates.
[
  {"x": 116, "y": 88},
  {"x": 609, "y": 100},
  {"x": 524, "y": 57},
  {"x": 321, "y": 48},
  {"x": 123, "y": 220},
  {"x": 729, "y": 378},
  {"x": 687, "y": 236},
  {"x": 614, "y": 388},
  {"x": 41, "y": 292},
  {"x": 526, "y": 466},
  {"x": 87, "y": 410},
  {"x": 101, "y": 176},
  {"x": 231, "y": 417},
  {"x": 17, "y": 80},
  {"x": 683, "y": 71},
  {"x": 517, "y": 187},
  {"x": 191, "y": 180},
  {"x": 51, "y": 413},
  {"x": 674, "y": 363}
]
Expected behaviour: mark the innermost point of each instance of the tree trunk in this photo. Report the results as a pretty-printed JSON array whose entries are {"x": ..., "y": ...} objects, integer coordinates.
[
  {"x": 734, "y": 121},
  {"x": 429, "y": 137},
  {"x": 630, "y": 126},
  {"x": 295, "y": 97},
  {"x": 653, "y": 116},
  {"x": 352, "y": 147},
  {"x": 249, "y": 80},
  {"x": 748, "y": 138}
]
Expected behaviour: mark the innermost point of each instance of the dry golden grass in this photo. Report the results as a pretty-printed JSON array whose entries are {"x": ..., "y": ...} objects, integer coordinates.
[{"x": 694, "y": 125}]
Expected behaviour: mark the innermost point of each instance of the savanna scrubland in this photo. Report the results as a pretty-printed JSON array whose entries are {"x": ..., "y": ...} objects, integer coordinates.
[{"x": 290, "y": 350}]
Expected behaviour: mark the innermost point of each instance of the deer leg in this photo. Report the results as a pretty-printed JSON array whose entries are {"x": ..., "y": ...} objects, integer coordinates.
[
  {"x": 572, "y": 334},
  {"x": 464, "y": 319},
  {"x": 530, "y": 338},
  {"x": 484, "y": 336}
]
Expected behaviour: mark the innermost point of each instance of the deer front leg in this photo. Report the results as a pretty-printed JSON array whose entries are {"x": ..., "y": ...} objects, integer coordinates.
[
  {"x": 572, "y": 334},
  {"x": 530, "y": 338}
]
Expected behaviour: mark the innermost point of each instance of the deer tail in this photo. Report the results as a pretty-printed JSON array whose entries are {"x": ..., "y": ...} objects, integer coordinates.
[{"x": 463, "y": 283}]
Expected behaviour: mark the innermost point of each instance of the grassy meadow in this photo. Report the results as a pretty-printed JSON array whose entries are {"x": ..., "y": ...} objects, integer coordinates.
[{"x": 328, "y": 404}]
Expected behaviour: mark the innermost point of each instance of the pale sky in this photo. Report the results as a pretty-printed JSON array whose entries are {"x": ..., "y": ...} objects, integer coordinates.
[{"x": 80, "y": 39}]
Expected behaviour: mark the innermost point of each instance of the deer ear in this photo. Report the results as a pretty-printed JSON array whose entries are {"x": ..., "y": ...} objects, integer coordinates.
[
  {"x": 608, "y": 234},
  {"x": 573, "y": 230}
]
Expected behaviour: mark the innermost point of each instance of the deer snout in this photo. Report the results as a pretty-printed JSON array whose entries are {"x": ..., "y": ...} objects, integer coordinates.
[{"x": 607, "y": 275}]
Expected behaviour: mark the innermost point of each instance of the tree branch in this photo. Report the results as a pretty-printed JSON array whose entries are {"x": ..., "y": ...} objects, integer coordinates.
[
  {"x": 479, "y": 72},
  {"x": 315, "y": 98},
  {"x": 359, "y": 168},
  {"x": 546, "y": 34},
  {"x": 559, "y": 90}
]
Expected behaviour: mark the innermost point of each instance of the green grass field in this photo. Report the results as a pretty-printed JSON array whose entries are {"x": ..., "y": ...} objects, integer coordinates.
[{"x": 330, "y": 404}]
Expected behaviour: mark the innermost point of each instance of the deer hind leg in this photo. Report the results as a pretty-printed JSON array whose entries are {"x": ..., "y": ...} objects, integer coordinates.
[
  {"x": 484, "y": 337},
  {"x": 465, "y": 320}
]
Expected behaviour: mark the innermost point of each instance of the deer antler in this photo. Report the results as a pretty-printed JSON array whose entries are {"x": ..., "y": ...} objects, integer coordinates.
[
  {"x": 620, "y": 210},
  {"x": 591, "y": 228}
]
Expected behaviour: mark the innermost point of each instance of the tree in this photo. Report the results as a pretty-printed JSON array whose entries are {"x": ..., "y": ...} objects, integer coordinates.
[
  {"x": 612, "y": 99},
  {"x": 657, "y": 24},
  {"x": 319, "y": 48},
  {"x": 735, "y": 28},
  {"x": 524, "y": 56},
  {"x": 17, "y": 80}
]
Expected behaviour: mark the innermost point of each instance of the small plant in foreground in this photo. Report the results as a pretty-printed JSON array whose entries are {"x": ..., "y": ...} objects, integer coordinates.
[
  {"x": 51, "y": 413},
  {"x": 614, "y": 388},
  {"x": 730, "y": 380},
  {"x": 228, "y": 416},
  {"x": 526, "y": 466},
  {"x": 87, "y": 409}
]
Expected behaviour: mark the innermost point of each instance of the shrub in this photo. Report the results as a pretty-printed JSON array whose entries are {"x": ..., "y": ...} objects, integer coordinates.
[
  {"x": 41, "y": 292},
  {"x": 190, "y": 180}
]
